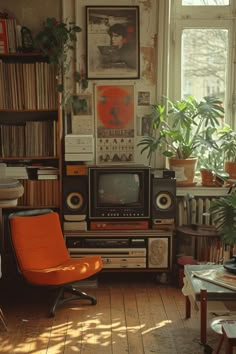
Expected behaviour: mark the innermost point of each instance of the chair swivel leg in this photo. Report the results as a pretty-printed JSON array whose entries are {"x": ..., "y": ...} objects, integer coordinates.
[
  {"x": 81, "y": 294},
  {"x": 60, "y": 295}
]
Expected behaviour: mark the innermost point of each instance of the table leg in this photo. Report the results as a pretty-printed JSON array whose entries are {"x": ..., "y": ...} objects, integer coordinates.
[
  {"x": 203, "y": 316},
  {"x": 228, "y": 347},
  {"x": 187, "y": 307}
]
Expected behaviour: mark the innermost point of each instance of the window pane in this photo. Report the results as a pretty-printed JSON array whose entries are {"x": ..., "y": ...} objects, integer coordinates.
[
  {"x": 204, "y": 61},
  {"x": 205, "y": 2}
]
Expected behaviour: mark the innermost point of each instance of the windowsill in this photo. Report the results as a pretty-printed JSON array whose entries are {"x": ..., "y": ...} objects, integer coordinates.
[{"x": 199, "y": 190}]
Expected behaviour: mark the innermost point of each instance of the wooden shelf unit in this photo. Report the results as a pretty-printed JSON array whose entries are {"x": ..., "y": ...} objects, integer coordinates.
[{"x": 31, "y": 124}]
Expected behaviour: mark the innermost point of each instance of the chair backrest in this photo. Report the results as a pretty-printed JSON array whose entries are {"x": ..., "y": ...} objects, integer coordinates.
[{"x": 37, "y": 239}]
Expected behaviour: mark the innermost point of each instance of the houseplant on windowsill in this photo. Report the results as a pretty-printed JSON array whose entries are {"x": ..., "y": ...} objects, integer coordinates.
[
  {"x": 227, "y": 141},
  {"x": 211, "y": 166},
  {"x": 179, "y": 129}
]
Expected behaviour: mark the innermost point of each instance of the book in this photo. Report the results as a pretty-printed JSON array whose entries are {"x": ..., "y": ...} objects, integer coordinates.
[
  {"x": 219, "y": 276},
  {"x": 3, "y": 37},
  {"x": 47, "y": 171},
  {"x": 47, "y": 176}
]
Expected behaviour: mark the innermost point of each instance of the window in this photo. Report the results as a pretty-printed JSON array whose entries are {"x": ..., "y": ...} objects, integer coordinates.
[
  {"x": 205, "y": 2},
  {"x": 203, "y": 64},
  {"x": 202, "y": 51}
]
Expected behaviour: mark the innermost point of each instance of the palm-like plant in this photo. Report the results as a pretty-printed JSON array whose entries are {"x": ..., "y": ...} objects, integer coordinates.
[
  {"x": 180, "y": 127},
  {"x": 223, "y": 212}
]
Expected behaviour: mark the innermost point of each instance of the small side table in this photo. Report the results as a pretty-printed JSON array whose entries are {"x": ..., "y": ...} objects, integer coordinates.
[{"x": 229, "y": 335}]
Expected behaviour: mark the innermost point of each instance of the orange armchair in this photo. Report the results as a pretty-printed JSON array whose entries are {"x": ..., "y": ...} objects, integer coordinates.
[{"x": 43, "y": 259}]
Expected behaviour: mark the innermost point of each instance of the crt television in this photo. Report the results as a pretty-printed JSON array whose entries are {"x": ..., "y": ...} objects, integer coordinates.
[{"x": 119, "y": 192}]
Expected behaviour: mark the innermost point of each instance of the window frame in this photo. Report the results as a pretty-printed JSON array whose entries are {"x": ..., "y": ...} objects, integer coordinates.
[{"x": 190, "y": 17}]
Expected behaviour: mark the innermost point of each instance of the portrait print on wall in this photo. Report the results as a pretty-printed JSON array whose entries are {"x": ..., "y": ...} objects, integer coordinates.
[
  {"x": 112, "y": 42},
  {"x": 114, "y": 112},
  {"x": 143, "y": 98}
]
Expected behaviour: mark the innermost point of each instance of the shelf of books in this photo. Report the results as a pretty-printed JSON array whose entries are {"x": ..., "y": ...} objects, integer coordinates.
[
  {"x": 29, "y": 126},
  {"x": 27, "y": 86}
]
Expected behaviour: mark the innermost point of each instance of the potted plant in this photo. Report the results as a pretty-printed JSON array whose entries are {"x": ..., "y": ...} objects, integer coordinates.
[
  {"x": 227, "y": 140},
  {"x": 179, "y": 129},
  {"x": 223, "y": 213},
  {"x": 56, "y": 41},
  {"x": 211, "y": 166}
]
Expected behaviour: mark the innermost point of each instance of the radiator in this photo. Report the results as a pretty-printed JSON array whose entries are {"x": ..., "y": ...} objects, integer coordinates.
[{"x": 193, "y": 210}]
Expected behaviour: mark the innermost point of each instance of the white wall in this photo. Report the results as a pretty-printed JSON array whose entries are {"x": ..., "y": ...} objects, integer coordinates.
[{"x": 148, "y": 56}]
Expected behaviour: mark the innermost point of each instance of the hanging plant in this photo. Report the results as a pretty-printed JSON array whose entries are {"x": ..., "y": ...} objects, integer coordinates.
[{"x": 56, "y": 41}]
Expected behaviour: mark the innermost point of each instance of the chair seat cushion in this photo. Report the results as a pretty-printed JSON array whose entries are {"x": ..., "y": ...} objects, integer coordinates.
[{"x": 72, "y": 270}]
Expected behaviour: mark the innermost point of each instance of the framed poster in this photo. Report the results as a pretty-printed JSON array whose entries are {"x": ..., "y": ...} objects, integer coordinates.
[
  {"x": 112, "y": 42},
  {"x": 115, "y": 124}
]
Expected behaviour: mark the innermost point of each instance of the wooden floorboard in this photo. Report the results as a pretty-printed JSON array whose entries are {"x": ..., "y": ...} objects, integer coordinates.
[{"x": 133, "y": 315}]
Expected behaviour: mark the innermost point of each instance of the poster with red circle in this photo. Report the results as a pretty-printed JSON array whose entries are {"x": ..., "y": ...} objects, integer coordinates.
[
  {"x": 115, "y": 123},
  {"x": 115, "y": 106}
]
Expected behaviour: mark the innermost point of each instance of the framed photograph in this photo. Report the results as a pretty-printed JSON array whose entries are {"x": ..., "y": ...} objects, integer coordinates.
[
  {"x": 82, "y": 105},
  {"x": 112, "y": 42},
  {"x": 82, "y": 115},
  {"x": 115, "y": 124},
  {"x": 146, "y": 128},
  {"x": 143, "y": 98}
]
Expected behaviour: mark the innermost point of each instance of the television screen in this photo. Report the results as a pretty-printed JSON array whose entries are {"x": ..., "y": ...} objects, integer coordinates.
[{"x": 118, "y": 188}]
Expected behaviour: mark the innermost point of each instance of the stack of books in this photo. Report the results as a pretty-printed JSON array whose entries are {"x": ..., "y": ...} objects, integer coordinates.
[
  {"x": 47, "y": 173},
  {"x": 42, "y": 172}
]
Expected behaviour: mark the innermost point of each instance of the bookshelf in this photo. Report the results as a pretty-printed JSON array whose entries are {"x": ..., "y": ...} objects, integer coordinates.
[{"x": 30, "y": 127}]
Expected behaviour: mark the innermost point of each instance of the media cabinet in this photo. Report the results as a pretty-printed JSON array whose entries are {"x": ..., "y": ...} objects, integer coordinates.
[{"x": 133, "y": 250}]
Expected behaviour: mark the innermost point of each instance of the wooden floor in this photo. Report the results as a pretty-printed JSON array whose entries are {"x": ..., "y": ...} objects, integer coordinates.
[{"x": 134, "y": 315}]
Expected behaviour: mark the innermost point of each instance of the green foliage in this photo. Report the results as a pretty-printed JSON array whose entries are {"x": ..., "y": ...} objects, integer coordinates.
[
  {"x": 227, "y": 140},
  {"x": 211, "y": 159},
  {"x": 56, "y": 40},
  {"x": 180, "y": 127},
  {"x": 223, "y": 212},
  {"x": 80, "y": 105}
]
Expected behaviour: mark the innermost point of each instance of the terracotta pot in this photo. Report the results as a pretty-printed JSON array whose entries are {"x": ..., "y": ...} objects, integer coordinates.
[
  {"x": 184, "y": 171},
  {"x": 208, "y": 177},
  {"x": 230, "y": 168}
]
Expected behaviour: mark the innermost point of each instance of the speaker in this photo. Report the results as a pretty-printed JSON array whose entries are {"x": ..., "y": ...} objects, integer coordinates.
[
  {"x": 75, "y": 192},
  {"x": 163, "y": 200}
]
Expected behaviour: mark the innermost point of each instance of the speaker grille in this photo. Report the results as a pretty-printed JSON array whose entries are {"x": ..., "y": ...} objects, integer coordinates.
[
  {"x": 74, "y": 196},
  {"x": 163, "y": 198}
]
